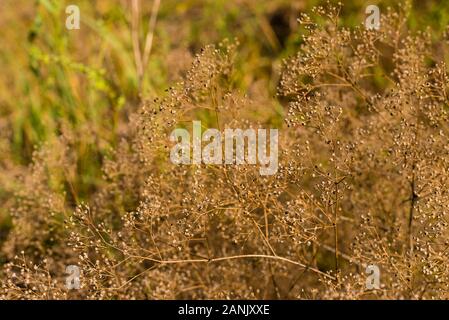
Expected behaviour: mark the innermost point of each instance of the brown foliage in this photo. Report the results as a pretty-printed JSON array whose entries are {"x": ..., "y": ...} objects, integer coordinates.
[{"x": 363, "y": 179}]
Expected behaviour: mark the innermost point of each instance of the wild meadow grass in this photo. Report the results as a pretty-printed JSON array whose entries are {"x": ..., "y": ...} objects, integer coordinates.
[{"x": 84, "y": 122}]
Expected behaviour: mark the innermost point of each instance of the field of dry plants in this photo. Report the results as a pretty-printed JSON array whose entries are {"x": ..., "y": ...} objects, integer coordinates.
[{"x": 91, "y": 207}]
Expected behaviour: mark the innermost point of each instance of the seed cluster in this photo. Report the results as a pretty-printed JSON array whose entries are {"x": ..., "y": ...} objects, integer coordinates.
[{"x": 363, "y": 179}]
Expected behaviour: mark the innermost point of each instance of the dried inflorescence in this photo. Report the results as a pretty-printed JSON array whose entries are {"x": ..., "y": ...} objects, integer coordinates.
[{"x": 363, "y": 180}]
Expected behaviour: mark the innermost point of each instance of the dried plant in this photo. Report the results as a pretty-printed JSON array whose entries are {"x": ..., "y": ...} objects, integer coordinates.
[{"x": 363, "y": 180}]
